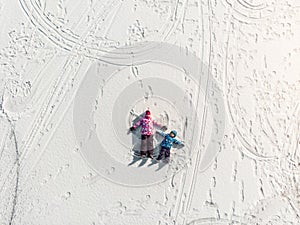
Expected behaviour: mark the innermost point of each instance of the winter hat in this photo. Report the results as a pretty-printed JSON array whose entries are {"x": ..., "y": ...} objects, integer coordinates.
[
  {"x": 148, "y": 113},
  {"x": 174, "y": 132}
]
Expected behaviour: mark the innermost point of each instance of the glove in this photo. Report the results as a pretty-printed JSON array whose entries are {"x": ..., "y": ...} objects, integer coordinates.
[
  {"x": 181, "y": 144},
  {"x": 164, "y": 128},
  {"x": 131, "y": 128}
]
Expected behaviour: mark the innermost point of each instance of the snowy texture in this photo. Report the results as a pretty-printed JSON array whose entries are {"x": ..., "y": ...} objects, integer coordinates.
[{"x": 76, "y": 74}]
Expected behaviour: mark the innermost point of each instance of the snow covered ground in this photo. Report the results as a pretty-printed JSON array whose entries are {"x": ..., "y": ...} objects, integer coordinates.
[{"x": 75, "y": 75}]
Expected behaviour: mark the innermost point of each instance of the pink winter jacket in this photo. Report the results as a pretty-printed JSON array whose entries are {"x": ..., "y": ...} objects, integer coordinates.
[{"x": 147, "y": 125}]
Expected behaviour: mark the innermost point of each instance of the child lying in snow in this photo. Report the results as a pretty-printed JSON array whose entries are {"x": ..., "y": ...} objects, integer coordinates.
[
  {"x": 166, "y": 144},
  {"x": 147, "y": 123}
]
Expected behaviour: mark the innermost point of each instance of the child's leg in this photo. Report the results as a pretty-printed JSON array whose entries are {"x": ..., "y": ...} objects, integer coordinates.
[
  {"x": 150, "y": 145},
  {"x": 167, "y": 154},
  {"x": 143, "y": 145},
  {"x": 161, "y": 153}
]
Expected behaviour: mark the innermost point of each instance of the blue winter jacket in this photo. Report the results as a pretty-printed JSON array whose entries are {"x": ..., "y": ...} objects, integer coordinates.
[{"x": 168, "y": 140}]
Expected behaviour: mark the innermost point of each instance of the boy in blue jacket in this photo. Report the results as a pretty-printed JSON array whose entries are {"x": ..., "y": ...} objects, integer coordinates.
[{"x": 167, "y": 144}]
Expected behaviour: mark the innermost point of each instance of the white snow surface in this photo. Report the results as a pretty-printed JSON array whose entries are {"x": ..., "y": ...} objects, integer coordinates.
[{"x": 76, "y": 74}]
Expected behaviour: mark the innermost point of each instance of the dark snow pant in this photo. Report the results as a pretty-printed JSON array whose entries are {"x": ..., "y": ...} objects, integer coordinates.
[
  {"x": 147, "y": 145},
  {"x": 164, "y": 152}
]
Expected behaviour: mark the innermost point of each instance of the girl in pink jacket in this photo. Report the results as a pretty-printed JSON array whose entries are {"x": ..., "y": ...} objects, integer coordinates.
[{"x": 147, "y": 124}]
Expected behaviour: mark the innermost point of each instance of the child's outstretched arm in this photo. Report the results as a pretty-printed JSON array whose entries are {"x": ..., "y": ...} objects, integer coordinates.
[
  {"x": 177, "y": 142},
  {"x": 155, "y": 123},
  {"x": 137, "y": 124},
  {"x": 161, "y": 133}
]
